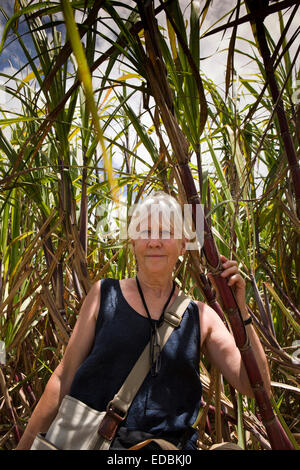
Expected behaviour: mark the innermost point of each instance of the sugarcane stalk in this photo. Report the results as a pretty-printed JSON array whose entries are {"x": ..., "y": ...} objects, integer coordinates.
[
  {"x": 156, "y": 75},
  {"x": 277, "y": 436},
  {"x": 254, "y": 7}
]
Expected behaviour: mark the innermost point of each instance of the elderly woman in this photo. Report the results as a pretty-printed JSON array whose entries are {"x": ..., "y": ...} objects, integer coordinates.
[{"x": 117, "y": 320}]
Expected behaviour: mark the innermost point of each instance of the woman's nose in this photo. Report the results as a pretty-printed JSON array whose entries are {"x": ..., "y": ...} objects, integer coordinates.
[{"x": 154, "y": 241}]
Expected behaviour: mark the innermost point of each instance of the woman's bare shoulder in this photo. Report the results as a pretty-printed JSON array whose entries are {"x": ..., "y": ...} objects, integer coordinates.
[
  {"x": 207, "y": 317},
  {"x": 202, "y": 307},
  {"x": 92, "y": 299},
  {"x": 95, "y": 289},
  {"x": 128, "y": 282}
]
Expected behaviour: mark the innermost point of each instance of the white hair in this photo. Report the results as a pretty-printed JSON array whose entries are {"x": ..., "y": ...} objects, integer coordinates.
[{"x": 164, "y": 208}]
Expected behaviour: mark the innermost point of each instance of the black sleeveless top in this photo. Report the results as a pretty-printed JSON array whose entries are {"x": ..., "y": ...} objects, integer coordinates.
[{"x": 167, "y": 404}]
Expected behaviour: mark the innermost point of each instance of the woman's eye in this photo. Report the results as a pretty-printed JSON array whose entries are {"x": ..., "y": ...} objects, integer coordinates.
[
  {"x": 166, "y": 234},
  {"x": 145, "y": 233}
]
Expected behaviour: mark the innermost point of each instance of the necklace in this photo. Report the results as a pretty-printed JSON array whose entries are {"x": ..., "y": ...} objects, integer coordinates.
[{"x": 155, "y": 348}]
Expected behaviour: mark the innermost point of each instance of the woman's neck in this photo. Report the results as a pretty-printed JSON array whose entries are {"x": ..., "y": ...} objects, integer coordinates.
[{"x": 157, "y": 285}]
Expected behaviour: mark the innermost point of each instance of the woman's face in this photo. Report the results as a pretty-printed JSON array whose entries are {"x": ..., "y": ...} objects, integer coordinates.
[{"x": 156, "y": 248}]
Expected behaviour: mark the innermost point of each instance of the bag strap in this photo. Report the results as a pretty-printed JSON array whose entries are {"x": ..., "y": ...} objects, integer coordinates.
[{"x": 118, "y": 407}]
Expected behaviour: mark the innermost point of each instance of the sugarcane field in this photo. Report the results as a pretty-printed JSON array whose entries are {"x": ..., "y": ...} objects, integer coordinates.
[{"x": 105, "y": 106}]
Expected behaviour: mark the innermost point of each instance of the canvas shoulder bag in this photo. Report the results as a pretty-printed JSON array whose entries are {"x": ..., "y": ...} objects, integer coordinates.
[{"x": 79, "y": 427}]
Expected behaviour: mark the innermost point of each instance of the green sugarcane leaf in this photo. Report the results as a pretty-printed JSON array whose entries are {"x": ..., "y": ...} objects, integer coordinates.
[
  {"x": 226, "y": 190},
  {"x": 20, "y": 12},
  {"x": 283, "y": 308},
  {"x": 284, "y": 425},
  {"x": 240, "y": 426},
  {"x": 86, "y": 79}
]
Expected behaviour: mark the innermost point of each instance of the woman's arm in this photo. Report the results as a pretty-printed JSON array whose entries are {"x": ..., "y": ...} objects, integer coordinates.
[
  {"x": 60, "y": 382},
  {"x": 219, "y": 343}
]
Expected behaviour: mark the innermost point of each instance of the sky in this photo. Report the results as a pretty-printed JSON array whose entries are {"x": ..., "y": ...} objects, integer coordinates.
[
  {"x": 213, "y": 60},
  {"x": 212, "y": 48},
  {"x": 213, "y": 56}
]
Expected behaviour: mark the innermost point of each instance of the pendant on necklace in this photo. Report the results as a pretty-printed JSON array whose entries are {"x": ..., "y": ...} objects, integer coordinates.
[
  {"x": 155, "y": 351},
  {"x": 155, "y": 348}
]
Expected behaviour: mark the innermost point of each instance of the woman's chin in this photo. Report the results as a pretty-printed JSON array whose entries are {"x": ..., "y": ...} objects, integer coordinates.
[{"x": 158, "y": 265}]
